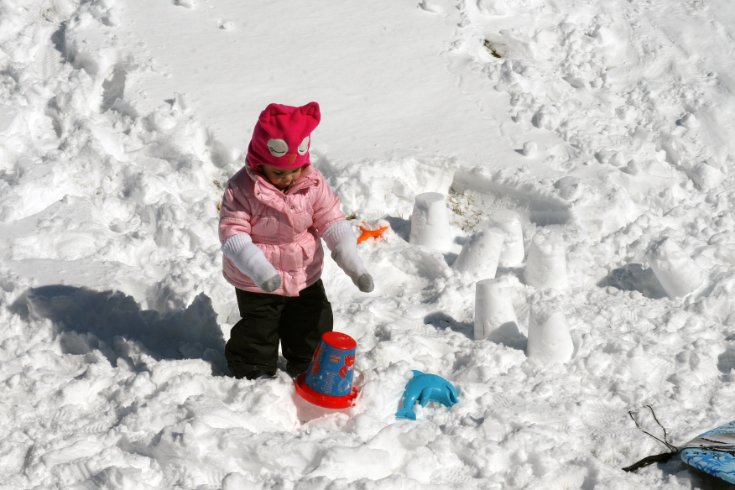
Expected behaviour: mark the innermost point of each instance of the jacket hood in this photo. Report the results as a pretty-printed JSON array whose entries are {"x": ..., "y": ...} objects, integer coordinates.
[{"x": 282, "y": 136}]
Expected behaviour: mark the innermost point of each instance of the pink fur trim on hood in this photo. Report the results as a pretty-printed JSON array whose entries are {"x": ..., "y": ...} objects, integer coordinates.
[{"x": 281, "y": 136}]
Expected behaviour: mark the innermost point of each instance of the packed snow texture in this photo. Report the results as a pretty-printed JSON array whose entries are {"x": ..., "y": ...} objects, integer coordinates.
[{"x": 602, "y": 130}]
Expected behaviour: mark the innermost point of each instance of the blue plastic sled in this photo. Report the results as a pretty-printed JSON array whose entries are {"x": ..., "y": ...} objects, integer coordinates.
[{"x": 716, "y": 456}]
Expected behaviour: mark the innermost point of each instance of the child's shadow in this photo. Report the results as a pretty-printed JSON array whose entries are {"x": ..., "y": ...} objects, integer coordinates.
[{"x": 114, "y": 324}]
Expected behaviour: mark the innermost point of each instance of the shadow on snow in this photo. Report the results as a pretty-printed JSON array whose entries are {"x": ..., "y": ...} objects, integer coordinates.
[{"x": 114, "y": 323}]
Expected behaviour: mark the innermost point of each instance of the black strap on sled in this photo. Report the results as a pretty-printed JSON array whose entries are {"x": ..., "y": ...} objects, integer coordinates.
[
  {"x": 673, "y": 450},
  {"x": 656, "y": 458},
  {"x": 649, "y": 460}
]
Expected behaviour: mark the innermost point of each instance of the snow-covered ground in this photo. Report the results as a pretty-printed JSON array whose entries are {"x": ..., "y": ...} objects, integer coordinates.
[{"x": 606, "y": 126}]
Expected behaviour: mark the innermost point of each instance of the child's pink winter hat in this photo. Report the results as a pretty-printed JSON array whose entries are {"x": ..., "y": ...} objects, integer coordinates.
[{"x": 281, "y": 137}]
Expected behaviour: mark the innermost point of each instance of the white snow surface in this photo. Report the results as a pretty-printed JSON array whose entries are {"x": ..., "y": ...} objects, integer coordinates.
[{"x": 606, "y": 123}]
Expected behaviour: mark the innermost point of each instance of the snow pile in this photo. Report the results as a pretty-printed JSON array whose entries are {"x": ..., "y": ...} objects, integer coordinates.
[{"x": 596, "y": 136}]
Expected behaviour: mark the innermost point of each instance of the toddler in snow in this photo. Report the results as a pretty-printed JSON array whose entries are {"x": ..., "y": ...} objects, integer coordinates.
[{"x": 274, "y": 212}]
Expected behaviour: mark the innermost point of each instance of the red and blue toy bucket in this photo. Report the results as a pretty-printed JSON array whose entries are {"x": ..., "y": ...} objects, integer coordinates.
[{"x": 328, "y": 381}]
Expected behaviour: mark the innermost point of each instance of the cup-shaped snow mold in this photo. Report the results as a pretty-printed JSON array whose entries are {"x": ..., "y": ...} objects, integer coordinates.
[
  {"x": 494, "y": 311},
  {"x": 480, "y": 255},
  {"x": 513, "y": 252},
  {"x": 674, "y": 269},
  {"x": 430, "y": 222},
  {"x": 546, "y": 265},
  {"x": 548, "y": 335}
]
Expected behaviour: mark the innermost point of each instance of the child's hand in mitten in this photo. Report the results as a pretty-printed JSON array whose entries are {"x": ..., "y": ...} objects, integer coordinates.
[
  {"x": 271, "y": 284},
  {"x": 342, "y": 242},
  {"x": 251, "y": 261},
  {"x": 349, "y": 262},
  {"x": 365, "y": 283}
]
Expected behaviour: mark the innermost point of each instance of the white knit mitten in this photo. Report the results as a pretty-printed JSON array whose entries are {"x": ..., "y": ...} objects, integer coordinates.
[
  {"x": 251, "y": 261},
  {"x": 341, "y": 240}
]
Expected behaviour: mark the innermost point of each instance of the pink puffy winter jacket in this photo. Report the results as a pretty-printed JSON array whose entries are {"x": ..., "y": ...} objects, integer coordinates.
[{"x": 286, "y": 226}]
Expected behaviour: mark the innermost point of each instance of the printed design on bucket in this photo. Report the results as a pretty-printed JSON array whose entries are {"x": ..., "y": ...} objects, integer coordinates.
[
  {"x": 349, "y": 362},
  {"x": 314, "y": 368},
  {"x": 328, "y": 380},
  {"x": 331, "y": 370}
]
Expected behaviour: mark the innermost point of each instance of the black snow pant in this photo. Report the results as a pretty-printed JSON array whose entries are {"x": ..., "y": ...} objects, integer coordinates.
[{"x": 297, "y": 321}]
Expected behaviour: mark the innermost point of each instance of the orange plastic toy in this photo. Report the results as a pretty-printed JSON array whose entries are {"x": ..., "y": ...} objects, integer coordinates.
[{"x": 367, "y": 233}]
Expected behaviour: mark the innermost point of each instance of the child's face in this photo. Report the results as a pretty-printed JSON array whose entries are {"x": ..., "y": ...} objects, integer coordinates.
[{"x": 283, "y": 178}]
